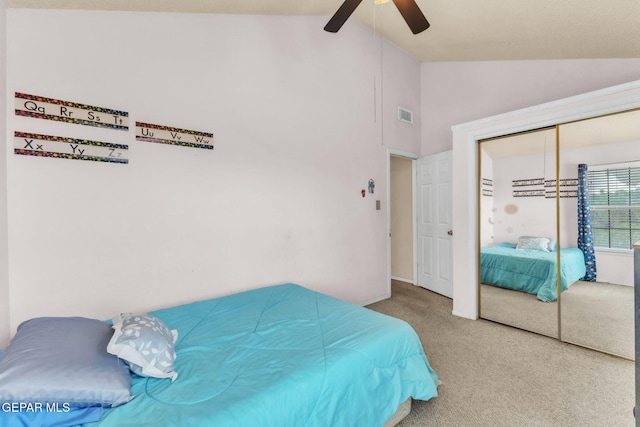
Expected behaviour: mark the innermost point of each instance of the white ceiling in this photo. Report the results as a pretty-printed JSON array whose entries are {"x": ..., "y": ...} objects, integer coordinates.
[{"x": 461, "y": 30}]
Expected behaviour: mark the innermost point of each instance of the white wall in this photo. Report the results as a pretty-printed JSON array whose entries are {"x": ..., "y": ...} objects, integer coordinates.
[
  {"x": 298, "y": 133},
  {"x": 4, "y": 276},
  {"x": 459, "y": 92}
]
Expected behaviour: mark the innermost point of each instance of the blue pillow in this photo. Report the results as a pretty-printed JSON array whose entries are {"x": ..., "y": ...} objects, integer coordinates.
[
  {"x": 146, "y": 343},
  {"x": 63, "y": 360}
]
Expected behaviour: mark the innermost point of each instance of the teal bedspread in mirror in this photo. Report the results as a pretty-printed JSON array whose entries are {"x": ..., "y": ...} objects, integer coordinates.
[{"x": 534, "y": 272}]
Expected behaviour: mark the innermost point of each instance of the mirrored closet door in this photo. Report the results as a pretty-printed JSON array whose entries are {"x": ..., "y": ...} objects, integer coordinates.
[
  {"x": 600, "y": 213},
  {"x": 562, "y": 205},
  {"x": 518, "y": 228}
]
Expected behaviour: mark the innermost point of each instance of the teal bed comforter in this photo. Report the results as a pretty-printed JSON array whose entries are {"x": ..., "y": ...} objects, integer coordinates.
[
  {"x": 534, "y": 272},
  {"x": 281, "y": 356}
]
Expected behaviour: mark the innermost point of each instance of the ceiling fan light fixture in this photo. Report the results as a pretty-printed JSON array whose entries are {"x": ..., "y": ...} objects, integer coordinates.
[
  {"x": 380, "y": 1},
  {"x": 409, "y": 10}
]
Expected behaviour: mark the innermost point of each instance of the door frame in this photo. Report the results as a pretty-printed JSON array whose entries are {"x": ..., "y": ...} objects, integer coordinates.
[{"x": 413, "y": 157}]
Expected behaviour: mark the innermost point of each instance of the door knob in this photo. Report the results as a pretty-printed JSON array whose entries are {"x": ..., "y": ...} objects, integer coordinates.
[{"x": 450, "y": 232}]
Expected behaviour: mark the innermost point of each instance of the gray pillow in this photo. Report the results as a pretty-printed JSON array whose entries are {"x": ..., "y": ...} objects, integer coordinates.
[
  {"x": 146, "y": 343},
  {"x": 63, "y": 360}
]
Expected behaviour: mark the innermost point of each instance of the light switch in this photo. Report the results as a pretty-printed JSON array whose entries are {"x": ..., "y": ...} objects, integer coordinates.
[{"x": 377, "y": 205}]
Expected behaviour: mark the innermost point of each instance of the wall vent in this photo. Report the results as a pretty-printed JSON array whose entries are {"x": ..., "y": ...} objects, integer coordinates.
[{"x": 405, "y": 115}]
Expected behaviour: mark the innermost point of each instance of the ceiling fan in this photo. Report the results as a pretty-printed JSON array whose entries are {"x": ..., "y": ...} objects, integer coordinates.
[{"x": 408, "y": 9}]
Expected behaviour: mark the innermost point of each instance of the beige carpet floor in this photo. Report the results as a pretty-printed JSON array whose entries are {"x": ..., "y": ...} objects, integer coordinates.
[{"x": 495, "y": 375}]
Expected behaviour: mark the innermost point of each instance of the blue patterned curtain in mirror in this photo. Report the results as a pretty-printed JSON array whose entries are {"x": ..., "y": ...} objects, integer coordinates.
[{"x": 585, "y": 238}]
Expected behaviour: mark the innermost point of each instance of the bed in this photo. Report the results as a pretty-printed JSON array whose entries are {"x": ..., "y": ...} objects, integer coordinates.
[
  {"x": 280, "y": 356},
  {"x": 531, "y": 271}
]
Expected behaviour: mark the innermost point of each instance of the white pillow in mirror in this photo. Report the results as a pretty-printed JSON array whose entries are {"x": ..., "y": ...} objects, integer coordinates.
[
  {"x": 533, "y": 244},
  {"x": 550, "y": 247}
]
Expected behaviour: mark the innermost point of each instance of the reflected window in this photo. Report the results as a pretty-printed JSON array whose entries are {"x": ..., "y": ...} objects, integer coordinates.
[{"x": 614, "y": 194}]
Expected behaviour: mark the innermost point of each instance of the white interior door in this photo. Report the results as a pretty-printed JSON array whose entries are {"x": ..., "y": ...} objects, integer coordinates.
[{"x": 434, "y": 201}]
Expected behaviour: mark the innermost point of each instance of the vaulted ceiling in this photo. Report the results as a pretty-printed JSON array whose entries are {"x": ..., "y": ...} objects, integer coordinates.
[{"x": 461, "y": 30}]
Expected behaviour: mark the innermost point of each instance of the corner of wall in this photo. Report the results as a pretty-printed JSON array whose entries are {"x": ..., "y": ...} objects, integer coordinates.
[{"x": 4, "y": 276}]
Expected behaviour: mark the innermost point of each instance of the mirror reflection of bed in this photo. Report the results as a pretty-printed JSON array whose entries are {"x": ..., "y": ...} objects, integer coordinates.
[{"x": 518, "y": 200}]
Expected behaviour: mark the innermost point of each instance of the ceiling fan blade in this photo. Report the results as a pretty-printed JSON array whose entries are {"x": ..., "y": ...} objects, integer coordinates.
[
  {"x": 342, "y": 14},
  {"x": 413, "y": 15}
]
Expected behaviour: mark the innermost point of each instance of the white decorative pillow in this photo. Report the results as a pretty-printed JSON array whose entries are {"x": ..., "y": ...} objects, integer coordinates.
[
  {"x": 533, "y": 244},
  {"x": 146, "y": 343},
  {"x": 551, "y": 246}
]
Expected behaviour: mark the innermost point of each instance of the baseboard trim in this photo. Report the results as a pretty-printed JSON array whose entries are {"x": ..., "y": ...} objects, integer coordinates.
[
  {"x": 464, "y": 315},
  {"x": 377, "y": 299},
  {"x": 402, "y": 279}
]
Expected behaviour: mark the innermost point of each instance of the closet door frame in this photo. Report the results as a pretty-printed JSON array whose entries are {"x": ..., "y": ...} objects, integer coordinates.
[{"x": 465, "y": 170}]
